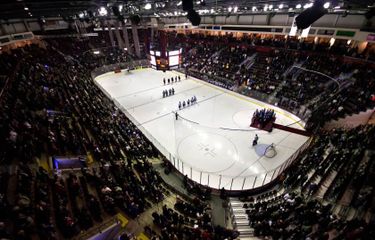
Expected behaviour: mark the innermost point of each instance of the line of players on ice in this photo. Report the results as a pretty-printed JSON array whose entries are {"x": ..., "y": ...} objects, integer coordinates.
[
  {"x": 172, "y": 80},
  {"x": 170, "y": 92},
  {"x": 189, "y": 102}
]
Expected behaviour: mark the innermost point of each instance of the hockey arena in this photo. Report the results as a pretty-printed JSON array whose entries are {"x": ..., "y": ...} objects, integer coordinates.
[
  {"x": 187, "y": 120},
  {"x": 211, "y": 140}
]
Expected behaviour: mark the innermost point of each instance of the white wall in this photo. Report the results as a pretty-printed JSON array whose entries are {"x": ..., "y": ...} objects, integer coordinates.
[{"x": 328, "y": 20}]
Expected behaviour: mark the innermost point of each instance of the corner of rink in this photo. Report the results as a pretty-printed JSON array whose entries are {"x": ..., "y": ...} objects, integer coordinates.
[{"x": 211, "y": 142}]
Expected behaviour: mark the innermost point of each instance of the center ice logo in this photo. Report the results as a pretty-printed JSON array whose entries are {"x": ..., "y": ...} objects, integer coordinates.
[{"x": 206, "y": 148}]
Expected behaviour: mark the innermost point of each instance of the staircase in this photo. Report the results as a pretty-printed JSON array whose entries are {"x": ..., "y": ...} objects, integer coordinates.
[
  {"x": 217, "y": 53},
  {"x": 212, "y": 57},
  {"x": 240, "y": 220},
  {"x": 295, "y": 67},
  {"x": 248, "y": 62}
]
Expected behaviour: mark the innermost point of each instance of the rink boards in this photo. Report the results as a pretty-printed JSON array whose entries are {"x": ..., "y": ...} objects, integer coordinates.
[{"x": 211, "y": 141}]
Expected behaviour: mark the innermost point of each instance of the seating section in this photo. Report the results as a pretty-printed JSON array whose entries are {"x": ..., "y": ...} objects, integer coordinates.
[
  {"x": 321, "y": 192},
  {"x": 50, "y": 106},
  {"x": 321, "y": 80}
]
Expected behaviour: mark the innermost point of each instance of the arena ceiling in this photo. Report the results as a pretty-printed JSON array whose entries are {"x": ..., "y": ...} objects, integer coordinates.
[{"x": 10, "y": 9}]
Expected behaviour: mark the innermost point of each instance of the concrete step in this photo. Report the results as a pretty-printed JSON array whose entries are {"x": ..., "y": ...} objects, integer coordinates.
[
  {"x": 248, "y": 237},
  {"x": 245, "y": 231},
  {"x": 238, "y": 210},
  {"x": 241, "y": 216},
  {"x": 242, "y": 223},
  {"x": 236, "y": 204}
]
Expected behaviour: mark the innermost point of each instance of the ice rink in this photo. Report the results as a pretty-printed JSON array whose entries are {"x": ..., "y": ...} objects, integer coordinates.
[{"x": 211, "y": 140}]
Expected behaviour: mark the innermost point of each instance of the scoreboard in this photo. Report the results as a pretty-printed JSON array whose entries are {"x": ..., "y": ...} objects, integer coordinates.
[{"x": 172, "y": 59}]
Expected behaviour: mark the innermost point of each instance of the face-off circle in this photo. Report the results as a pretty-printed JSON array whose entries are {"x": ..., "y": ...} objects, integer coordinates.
[{"x": 214, "y": 152}]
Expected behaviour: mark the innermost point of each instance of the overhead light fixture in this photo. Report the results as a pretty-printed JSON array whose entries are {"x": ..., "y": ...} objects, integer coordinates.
[
  {"x": 254, "y": 8},
  {"x": 235, "y": 9},
  {"x": 308, "y": 5},
  {"x": 120, "y": 7},
  {"x": 298, "y": 6},
  {"x": 102, "y": 11},
  {"x": 281, "y": 6},
  {"x": 229, "y": 9},
  {"x": 270, "y": 7},
  {"x": 265, "y": 7},
  {"x": 331, "y": 42},
  {"x": 148, "y": 6},
  {"x": 212, "y": 10},
  {"x": 179, "y": 3},
  {"x": 26, "y": 8},
  {"x": 326, "y": 5}
]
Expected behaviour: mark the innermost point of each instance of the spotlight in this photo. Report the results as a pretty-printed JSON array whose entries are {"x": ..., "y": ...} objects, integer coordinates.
[
  {"x": 103, "y": 11},
  {"x": 298, "y": 6},
  {"x": 116, "y": 11},
  {"x": 310, "y": 15},
  {"x": 308, "y": 5},
  {"x": 370, "y": 13},
  {"x": 148, "y": 6},
  {"x": 194, "y": 17},
  {"x": 187, "y": 5},
  {"x": 135, "y": 19},
  {"x": 326, "y": 5}
]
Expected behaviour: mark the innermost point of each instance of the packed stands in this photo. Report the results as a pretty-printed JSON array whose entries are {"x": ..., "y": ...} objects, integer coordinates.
[{"x": 52, "y": 107}]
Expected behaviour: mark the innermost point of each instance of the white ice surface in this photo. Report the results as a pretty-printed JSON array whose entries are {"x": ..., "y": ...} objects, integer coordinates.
[{"x": 215, "y": 147}]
